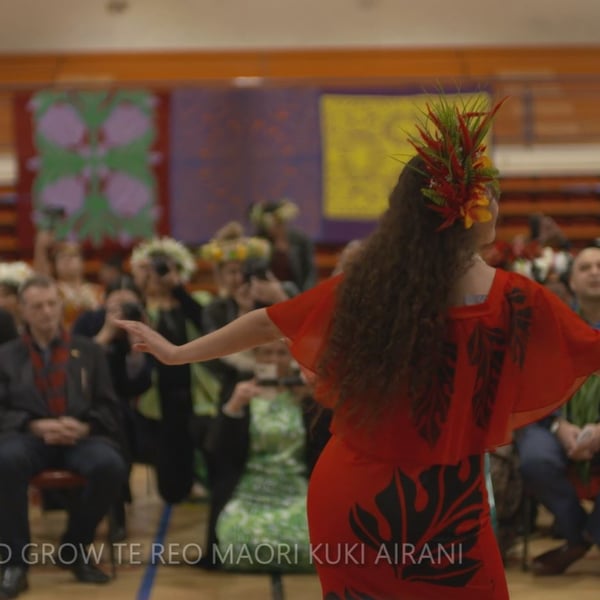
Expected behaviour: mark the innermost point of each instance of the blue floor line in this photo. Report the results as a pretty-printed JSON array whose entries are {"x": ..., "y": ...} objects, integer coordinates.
[{"x": 145, "y": 590}]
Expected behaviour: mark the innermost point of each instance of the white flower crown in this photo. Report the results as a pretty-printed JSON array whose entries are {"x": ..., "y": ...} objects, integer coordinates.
[
  {"x": 286, "y": 211},
  {"x": 15, "y": 273},
  {"x": 170, "y": 247}
]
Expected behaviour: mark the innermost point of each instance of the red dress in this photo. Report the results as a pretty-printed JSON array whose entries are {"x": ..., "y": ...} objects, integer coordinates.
[{"x": 401, "y": 512}]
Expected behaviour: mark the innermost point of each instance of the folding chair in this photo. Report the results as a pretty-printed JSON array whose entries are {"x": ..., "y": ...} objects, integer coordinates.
[
  {"x": 60, "y": 479},
  {"x": 587, "y": 491}
]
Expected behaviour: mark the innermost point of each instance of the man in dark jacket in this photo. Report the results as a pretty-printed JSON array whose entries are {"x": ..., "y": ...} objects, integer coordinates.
[{"x": 57, "y": 410}]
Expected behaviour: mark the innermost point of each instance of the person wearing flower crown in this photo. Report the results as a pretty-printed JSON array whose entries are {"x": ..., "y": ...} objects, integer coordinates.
[
  {"x": 292, "y": 252},
  {"x": 243, "y": 275},
  {"x": 245, "y": 282},
  {"x": 427, "y": 363},
  {"x": 12, "y": 275},
  {"x": 180, "y": 405}
]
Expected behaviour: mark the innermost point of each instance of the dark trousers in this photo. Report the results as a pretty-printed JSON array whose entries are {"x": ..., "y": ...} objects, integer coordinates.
[
  {"x": 23, "y": 455},
  {"x": 544, "y": 466},
  {"x": 175, "y": 456}
]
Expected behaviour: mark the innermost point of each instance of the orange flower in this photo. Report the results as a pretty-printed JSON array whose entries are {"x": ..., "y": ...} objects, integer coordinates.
[
  {"x": 483, "y": 161},
  {"x": 476, "y": 209}
]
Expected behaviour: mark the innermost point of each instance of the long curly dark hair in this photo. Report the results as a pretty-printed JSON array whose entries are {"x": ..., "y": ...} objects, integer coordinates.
[{"x": 390, "y": 319}]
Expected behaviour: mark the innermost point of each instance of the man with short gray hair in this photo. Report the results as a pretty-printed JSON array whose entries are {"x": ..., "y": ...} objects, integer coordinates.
[{"x": 57, "y": 411}]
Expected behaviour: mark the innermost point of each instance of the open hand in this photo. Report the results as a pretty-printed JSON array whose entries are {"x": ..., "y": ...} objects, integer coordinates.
[
  {"x": 587, "y": 443},
  {"x": 145, "y": 339}
]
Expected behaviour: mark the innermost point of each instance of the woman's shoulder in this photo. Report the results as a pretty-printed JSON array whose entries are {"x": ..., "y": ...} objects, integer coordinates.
[{"x": 516, "y": 283}]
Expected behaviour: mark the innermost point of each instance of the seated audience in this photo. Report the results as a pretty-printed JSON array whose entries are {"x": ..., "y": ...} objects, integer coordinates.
[
  {"x": 264, "y": 443},
  {"x": 57, "y": 411},
  {"x": 568, "y": 443}
]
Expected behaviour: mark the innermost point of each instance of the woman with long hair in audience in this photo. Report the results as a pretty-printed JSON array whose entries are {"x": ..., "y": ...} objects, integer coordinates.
[{"x": 64, "y": 261}]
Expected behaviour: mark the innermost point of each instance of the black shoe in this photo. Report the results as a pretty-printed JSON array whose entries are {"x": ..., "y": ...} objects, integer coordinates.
[
  {"x": 13, "y": 582},
  {"x": 558, "y": 560},
  {"x": 88, "y": 573},
  {"x": 119, "y": 534},
  {"x": 207, "y": 564}
]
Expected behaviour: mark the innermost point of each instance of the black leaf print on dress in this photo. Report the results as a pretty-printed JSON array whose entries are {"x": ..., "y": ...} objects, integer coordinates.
[
  {"x": 349, "y": 595},
  {"x": 438, "y": 517},
  {"x": 520, "y": 324},
  {"x": 486, "y": 349},
  {"x": 432, "y": 412}
]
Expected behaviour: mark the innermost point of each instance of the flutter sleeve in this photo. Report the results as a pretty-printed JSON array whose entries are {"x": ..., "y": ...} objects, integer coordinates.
[
  {"x": 305, "y": 319},
  {"x": 551, "y": 352}
]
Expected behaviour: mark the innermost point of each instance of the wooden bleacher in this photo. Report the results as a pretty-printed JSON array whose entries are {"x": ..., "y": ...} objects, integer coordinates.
[
  {"x": 574, "y": 202},
  {"x": 9, "y": 242}
]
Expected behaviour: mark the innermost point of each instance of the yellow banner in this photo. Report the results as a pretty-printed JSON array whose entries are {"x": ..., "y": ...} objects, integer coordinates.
[{"x": 364, "y": 149}]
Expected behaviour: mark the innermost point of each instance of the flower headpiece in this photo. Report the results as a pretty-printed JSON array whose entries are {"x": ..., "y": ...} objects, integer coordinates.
[
  {"x": 264, "y": 214},
  {"x": 13, "y": 274},
  {"x": 230, "y": 244},
  {"x": 455, "y": 162},
  {"x": 166, "y": 246}
]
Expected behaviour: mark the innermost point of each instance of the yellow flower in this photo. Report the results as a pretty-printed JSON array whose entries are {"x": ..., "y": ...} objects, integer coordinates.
[
  {"x": 241, "y": 252},
  {"x": 476, "y": 209},
  {"x": 483, "y": 162}
]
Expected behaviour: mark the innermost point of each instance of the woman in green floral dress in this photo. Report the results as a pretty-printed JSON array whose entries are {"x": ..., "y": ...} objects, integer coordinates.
[{"x": 264, "y": 448}]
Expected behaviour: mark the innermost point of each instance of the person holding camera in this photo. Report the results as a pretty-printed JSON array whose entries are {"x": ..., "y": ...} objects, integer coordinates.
[
  {"x": 241, "y": 269},
  {"x": 183, "y": 399},
  {"x": 131, "y": 373},
  {"x": 264, "y": 445}
]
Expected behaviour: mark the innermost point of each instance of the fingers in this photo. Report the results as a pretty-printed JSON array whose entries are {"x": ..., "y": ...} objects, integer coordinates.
[
  {"x": 140, "y": 347},
  {"x": 134, "y": 327}
]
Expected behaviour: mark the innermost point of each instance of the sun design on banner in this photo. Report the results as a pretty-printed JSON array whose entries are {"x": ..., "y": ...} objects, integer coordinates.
[
  {"x": 94, "y": 163},
  {"x": 364, "y": 144}
]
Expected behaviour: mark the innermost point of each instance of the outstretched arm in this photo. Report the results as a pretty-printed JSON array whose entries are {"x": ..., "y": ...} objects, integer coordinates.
[{"x": 252, "y": 329}]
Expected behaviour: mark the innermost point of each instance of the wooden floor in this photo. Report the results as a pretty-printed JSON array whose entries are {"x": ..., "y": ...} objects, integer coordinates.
[{"x": 136, "y": 580}]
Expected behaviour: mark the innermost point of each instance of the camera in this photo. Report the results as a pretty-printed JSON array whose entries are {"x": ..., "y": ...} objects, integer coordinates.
[
  {"x": 161, "y": 265},
  {"x": 257, "y": 269},
  {"x": 292, "y": 381},
  {"x": 132, "y": 311},
  {"x": 266, "y": 376},
  {"x": 52, "y": 215},
  {"x": 287, "y": 382}
]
